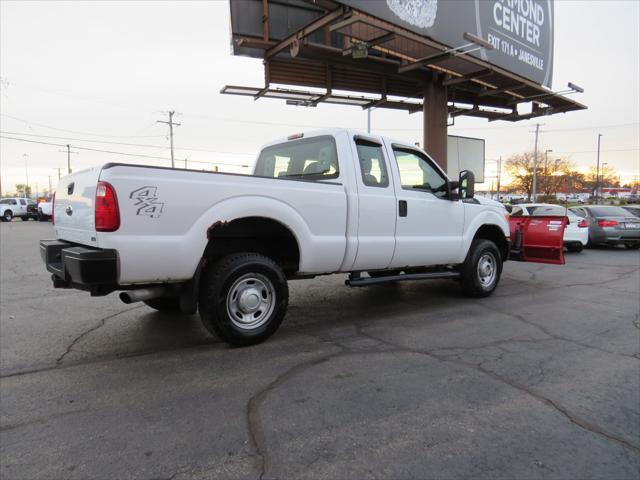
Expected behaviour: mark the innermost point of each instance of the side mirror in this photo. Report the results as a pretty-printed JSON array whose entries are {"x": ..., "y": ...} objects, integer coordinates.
[{"x": 466, "y": 182}]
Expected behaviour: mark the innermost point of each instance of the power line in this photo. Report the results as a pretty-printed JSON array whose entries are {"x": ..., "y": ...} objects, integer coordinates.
[
  {"x": 118, "y": 153},
  {"x": 106, "y": 142},
  {"x": 76, "y": 132}
]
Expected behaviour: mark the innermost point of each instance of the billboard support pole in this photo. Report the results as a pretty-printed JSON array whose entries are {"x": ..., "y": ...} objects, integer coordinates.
[{"x": 435, "y": 114}]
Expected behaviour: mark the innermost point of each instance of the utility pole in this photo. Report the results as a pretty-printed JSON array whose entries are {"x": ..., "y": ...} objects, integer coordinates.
[
  {"x": 26, "y": 174},
  {"x": 535, "y": 164},
  {"x": 59, "y": 173},
  {"x": 171, "y": 123},
  {"x": 598, "y": 168},
  {"x": 69, "y": 152}
]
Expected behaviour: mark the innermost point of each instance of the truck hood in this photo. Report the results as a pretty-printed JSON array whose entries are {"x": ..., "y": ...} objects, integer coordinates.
[{"x": 489, "y": 203}]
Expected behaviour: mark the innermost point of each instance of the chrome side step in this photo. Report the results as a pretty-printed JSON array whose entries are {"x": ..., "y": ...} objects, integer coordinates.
[{"x": 355, "y": 280}]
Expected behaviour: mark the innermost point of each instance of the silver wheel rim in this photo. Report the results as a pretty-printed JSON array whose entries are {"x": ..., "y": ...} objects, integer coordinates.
[
  {"x": 487, "y": 269},
  {"x": 251, "y": 301}
]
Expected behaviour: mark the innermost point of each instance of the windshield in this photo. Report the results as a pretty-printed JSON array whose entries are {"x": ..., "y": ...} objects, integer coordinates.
[
  {"x": 609, "y": 212},
  {"x": 309, "y": 159}
]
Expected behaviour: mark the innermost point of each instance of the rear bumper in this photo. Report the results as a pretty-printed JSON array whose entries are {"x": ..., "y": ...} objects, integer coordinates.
[{"x": 84, "y": 268}]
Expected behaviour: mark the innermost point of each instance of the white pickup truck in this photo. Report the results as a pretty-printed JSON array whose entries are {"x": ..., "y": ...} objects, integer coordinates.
[{"x": 330, "y": 201}]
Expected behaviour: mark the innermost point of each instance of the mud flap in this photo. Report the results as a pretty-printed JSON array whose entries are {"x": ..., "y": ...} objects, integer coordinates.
[{"x": 537, "y": 239}]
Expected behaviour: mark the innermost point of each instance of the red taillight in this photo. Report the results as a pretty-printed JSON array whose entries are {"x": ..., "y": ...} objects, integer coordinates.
[
  {"x": 107, "y": 214},
  {"x": 583, "y": 223},
  {"x": 607, "y": 223},
  {"x": 53, "y": 209}
]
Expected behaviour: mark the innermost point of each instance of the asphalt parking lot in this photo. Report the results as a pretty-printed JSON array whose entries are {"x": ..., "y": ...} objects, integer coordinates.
[{"x": 541, "y": 380}]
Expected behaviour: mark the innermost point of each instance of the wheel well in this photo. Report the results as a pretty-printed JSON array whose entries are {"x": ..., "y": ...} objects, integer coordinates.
[
  {"x": 494, "y": 233},
  {"x": 254, "y": 234}
]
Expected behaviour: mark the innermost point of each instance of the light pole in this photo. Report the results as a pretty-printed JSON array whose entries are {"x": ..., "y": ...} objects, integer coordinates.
[
  {"x": 601, "y": 179},
  {"x": 598, "y": 167},
  {"x": 26, "y": 174},
  {"x": 546, "y": 159}
]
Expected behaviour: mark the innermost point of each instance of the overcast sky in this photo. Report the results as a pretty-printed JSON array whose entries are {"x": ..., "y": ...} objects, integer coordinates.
[{"x": 107, "y": 71}]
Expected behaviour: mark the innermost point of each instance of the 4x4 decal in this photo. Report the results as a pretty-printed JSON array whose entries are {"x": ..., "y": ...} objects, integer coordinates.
[{"x": 146, "y": 199}]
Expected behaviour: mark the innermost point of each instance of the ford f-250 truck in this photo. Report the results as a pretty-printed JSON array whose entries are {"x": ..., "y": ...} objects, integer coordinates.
[{"x": 331, "y": 201}]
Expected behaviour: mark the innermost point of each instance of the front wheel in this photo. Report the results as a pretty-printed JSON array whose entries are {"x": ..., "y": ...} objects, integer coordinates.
[
  {"x": 243, "y": 298},
  {"x": 632, "y": 246},
  {"x": 480, "y": 272}
]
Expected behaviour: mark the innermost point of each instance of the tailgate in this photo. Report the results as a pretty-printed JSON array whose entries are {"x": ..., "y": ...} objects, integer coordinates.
[
  {"x": 537, "y": 239},
  {"x": 74, "y": 207}
]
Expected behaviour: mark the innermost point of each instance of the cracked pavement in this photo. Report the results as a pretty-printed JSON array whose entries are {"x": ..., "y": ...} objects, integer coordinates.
[{"x": 413, "y": 380}]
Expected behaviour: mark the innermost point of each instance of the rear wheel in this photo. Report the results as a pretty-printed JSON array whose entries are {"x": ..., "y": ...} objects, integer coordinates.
[
  {"x": 632, "y": 246},
  {"x": 164, "y": 304},
  {"x": 480, "y": 272},
  {"x": 575, "y": 247},
  {"x": 243, "y": 298},
  {"x": 8, "y": 216}
]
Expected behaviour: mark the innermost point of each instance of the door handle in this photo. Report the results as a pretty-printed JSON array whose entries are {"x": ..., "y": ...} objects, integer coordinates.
[{"x": 402, "y": 208}]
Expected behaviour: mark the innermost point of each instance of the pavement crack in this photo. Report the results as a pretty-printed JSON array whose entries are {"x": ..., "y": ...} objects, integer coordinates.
[
  {"x": 575, "y": 419},
  {"x": 97, "y": 326},
  {"x": 551, "y": 334},
  {"x": 256, "y": 430}
]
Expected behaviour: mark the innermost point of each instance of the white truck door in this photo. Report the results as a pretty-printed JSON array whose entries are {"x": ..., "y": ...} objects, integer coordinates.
[
  {"x": 429, "y": 226},
  {"x": 376, "y": 206},
  {"x": 22, "y": 207}
]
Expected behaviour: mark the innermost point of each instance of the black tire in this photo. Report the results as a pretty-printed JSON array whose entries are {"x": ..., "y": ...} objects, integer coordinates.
[
  {"x": 225, "y": 282},
  {"x": 632, "y": 246},
  {"x": 473, "y": 283},
  {"x": 24, "y": 219},
  {"x": 43, "y": 218},
  {"x": 575, "y": 247},
  {"x": 7, "y": 216},
  {"x": 164, "y": 304}
]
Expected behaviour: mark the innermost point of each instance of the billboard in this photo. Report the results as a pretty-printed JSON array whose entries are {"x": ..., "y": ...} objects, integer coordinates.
[
  {"x": 521, "y": 31},
  {"x": 464, "y": 153}
]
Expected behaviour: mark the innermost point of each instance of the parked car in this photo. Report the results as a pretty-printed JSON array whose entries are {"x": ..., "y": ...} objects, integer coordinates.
[
  {"x": 332, "y": 201},
  {"x": 610, "y": 225},
  {"x": 633, "y": 209},
  {"x": 576, "y": 234},
  {"x": 45, "y": 210},
  {"x": 23, "y": 208}
]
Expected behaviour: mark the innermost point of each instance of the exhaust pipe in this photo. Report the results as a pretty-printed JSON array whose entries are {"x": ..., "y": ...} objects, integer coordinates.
[{"x": 142, "y": 294}]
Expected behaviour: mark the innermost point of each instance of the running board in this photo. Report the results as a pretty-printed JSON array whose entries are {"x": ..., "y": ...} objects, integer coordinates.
[{"x": 355, "y": 280}]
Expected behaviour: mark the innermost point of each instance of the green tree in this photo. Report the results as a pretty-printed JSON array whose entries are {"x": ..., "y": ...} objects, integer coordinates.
[{"x": 23, "y": 190}]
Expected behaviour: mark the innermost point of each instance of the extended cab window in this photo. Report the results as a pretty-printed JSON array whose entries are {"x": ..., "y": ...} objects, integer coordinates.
[
  {"x": 312, "y": 158},
  {"x": 372, "y": 164},
  {"x": 23, "y": 202},
  {"x": 418, "y": 173}
]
